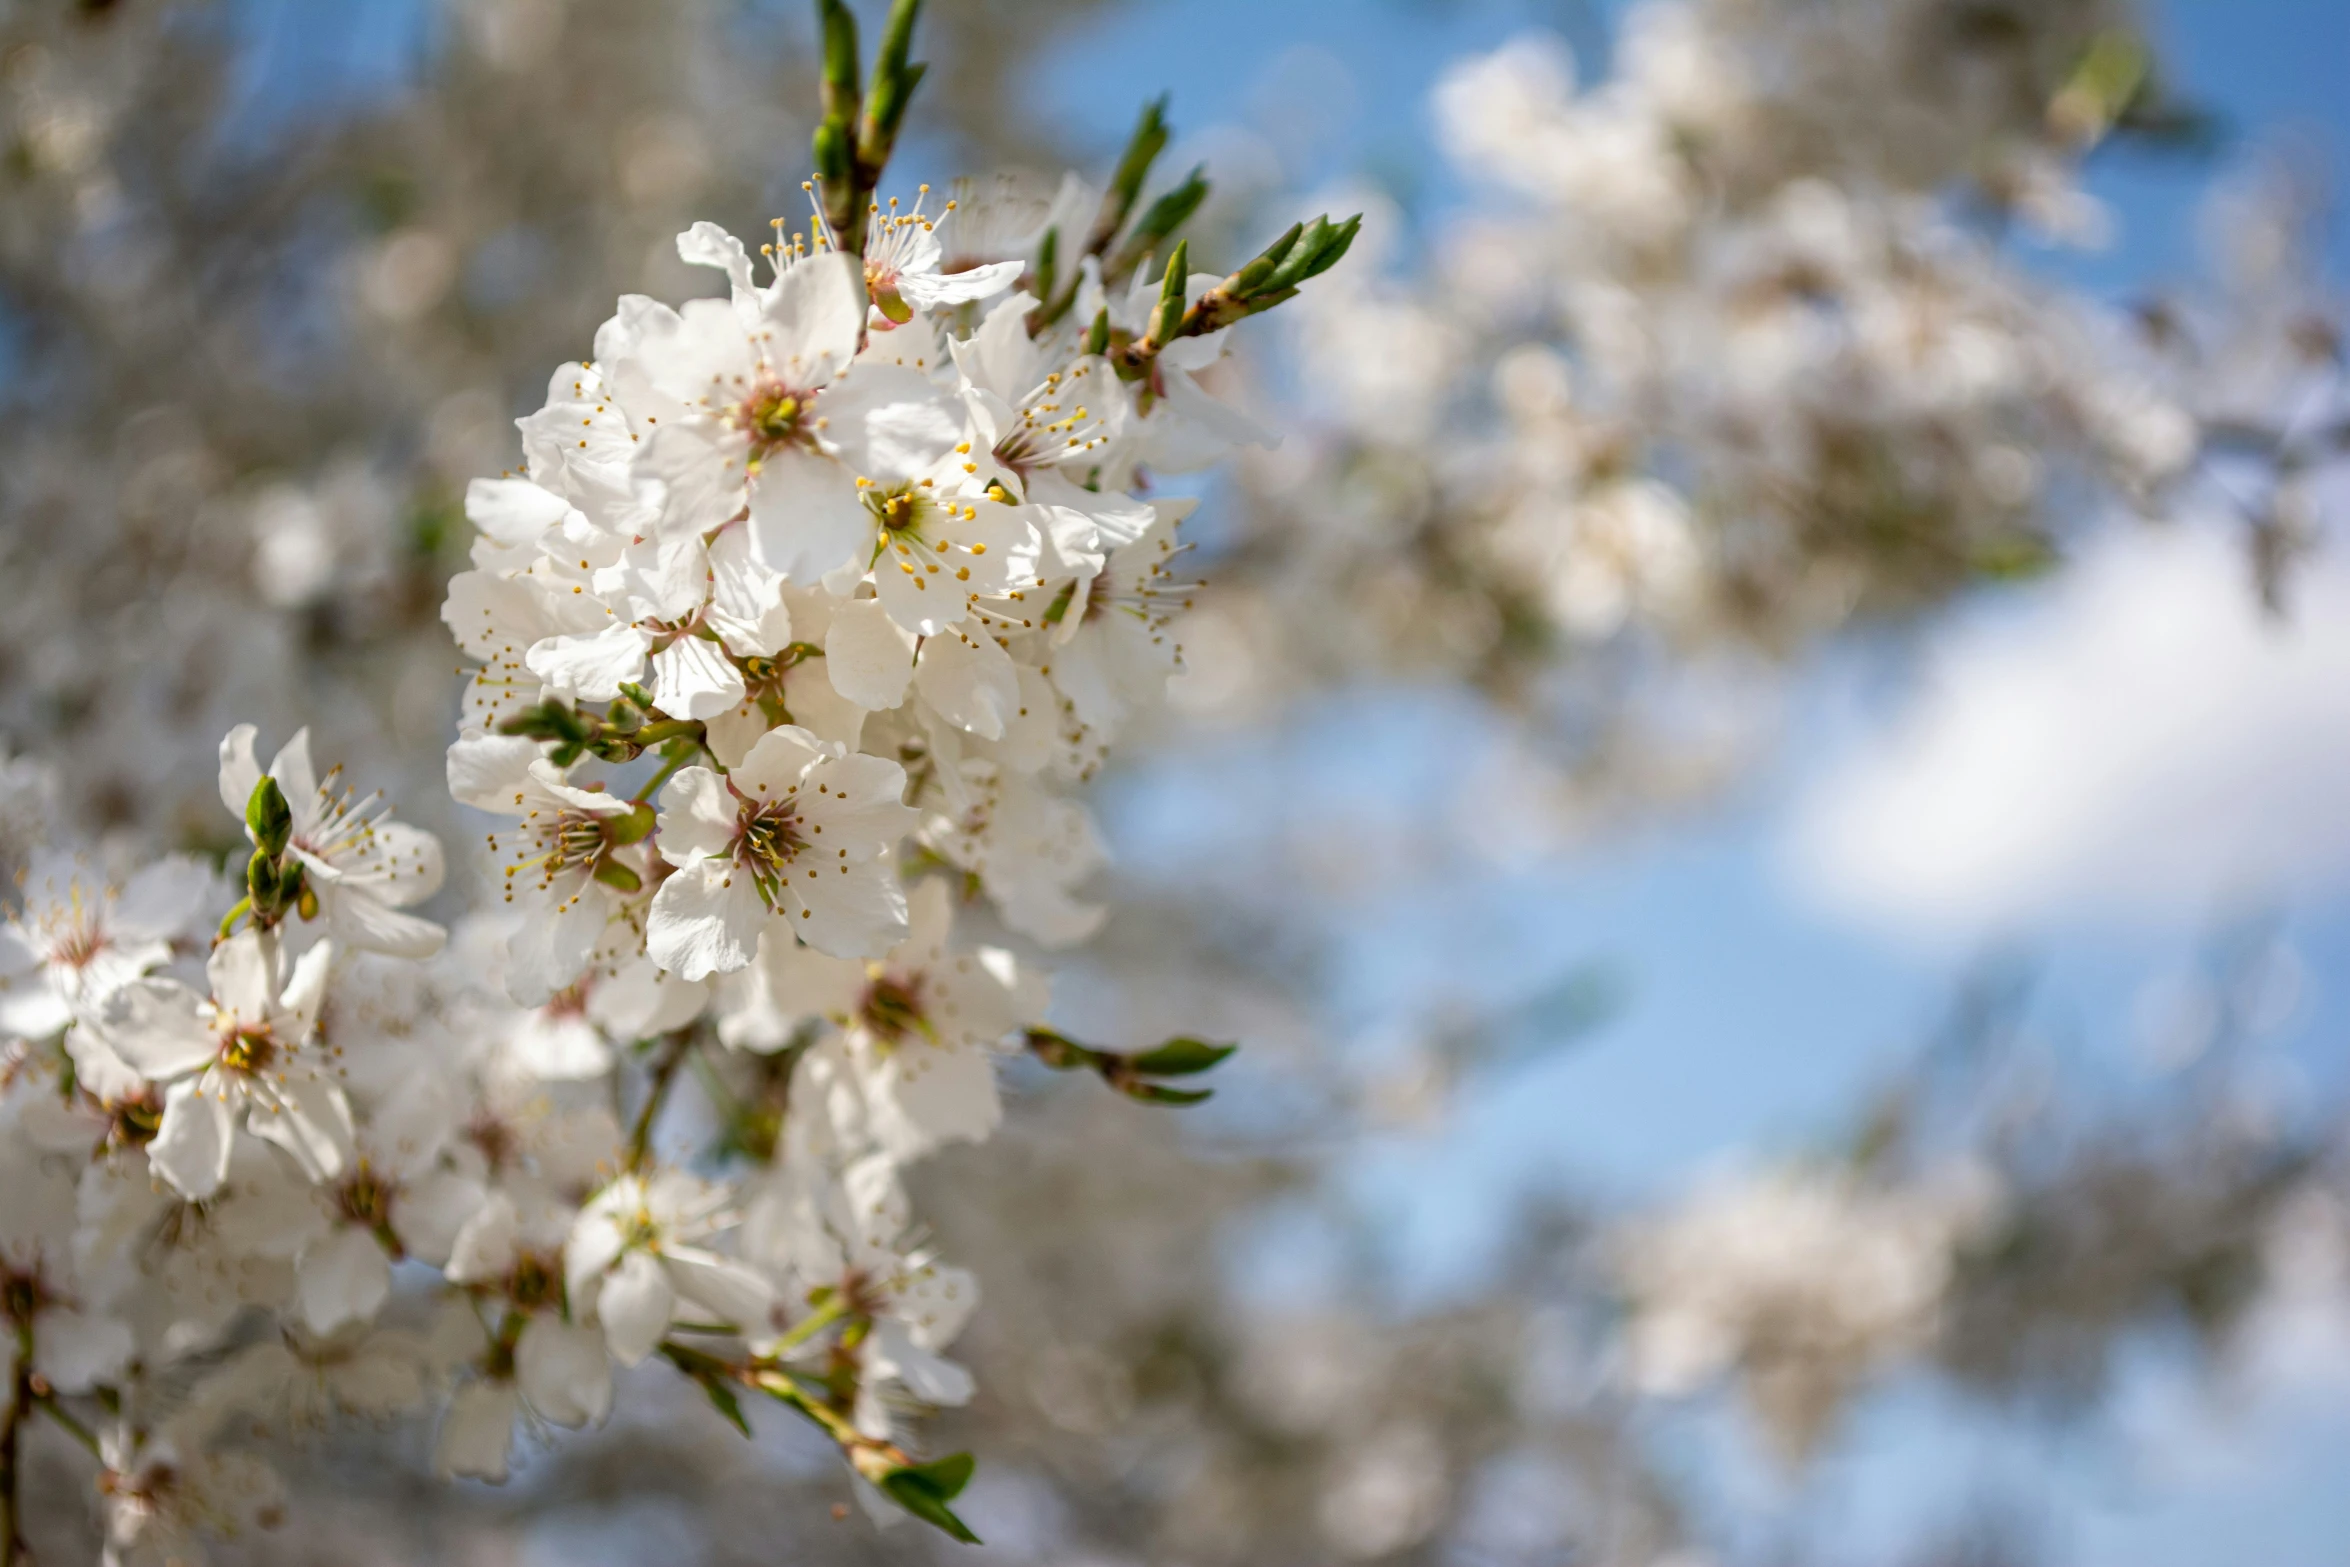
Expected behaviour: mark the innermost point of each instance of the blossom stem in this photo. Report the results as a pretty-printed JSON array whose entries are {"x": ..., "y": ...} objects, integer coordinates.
[
  {"x": 640, "y": 1136},
  {"x": 812, "y": 1324},
  {"x": 20, "y": 1398},
  {"x": 669, "y": 767},
  {"x": 72, "y": 1427}
]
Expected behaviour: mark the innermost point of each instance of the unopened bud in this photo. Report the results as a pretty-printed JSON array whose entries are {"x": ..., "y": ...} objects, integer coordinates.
[{"x": 268, "y": 819}]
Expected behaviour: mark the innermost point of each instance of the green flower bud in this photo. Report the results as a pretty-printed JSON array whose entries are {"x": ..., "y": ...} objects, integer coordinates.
[{"x": 268, "y": 819}]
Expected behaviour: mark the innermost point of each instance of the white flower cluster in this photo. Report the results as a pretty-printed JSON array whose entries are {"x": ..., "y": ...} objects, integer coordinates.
[
  {"x": 809, "y": 608},
  {"x": 1700, "y": 355},
  {"x": 1803, "y": 1282}
]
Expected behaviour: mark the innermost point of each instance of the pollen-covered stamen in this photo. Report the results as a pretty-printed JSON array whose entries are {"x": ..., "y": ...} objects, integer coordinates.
[
  {"x": 891, "y": 1008},
  {"x": 365, "y": 1198},
  {"x": 535, "y": 1282},
  {"x": 73, "y": 933},
  {"x": 888, "y": 241},
  {"x": 343, "y": 826},
  {"x": 248, "y": 1049},
  {"x": 769, "y": 841},
  {"x": 909, "y": 533},
  {"x": 774, "y": 416},
  {"x": 559, "y": 844},
  {"x": 1156, "y": 598},
  {"x": 1057, "y": 422}
]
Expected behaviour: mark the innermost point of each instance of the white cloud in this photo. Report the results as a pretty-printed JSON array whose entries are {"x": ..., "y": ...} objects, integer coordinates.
[{"x": 2138, "y": 745}]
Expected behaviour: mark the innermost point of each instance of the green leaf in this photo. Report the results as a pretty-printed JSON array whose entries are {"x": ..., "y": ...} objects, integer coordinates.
[
  {"x": 1181, "y": 1058},
  {"x": 1162, "y": 218},
  {"x": 723, "y": 1400},
  {"x": 1048, "y": 269},
  {"x": 1134, "y": 166},
  {"x": 925, "y": 1489},
  {"x": 1171, "y": 291},
  {"x": 1161, "y": 1094},
  {"x": 1252, "y": 277}
]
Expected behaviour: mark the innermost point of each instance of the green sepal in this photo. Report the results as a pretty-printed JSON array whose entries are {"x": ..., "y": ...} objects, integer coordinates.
[
  {"x": 635, "y": 827},
  {"x": 1181, "y": 1057},
  {"x": 1058, "y": 611},
  {"x": 263, "y": 884},
  {"x": 268, "y": 818},
  {"x": 925, "y": 1489},
  {"x": 1097, "y": 336},
  {"x": 615, "y": 875}
]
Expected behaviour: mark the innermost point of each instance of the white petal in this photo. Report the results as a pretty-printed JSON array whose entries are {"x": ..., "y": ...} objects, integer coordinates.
[
  {"x": 925, "y": 291},
  {"x": 345, "y": 1278},
  {"x": 485, "y": 1247},
  {"x": 969, "y": 680},
  {"x": 513, "y": 511},
  {"x": 240, "y": 774},
  {"x": 692, "y": 677},
  {"x": 708, "y": 245},
  {"x": 635, "y": 1306},
  {"x": 296, "y": 777},
  {"x": 76, "y": 1351},
  {"x": 815, "y": 318},
  {"x": 706, "y": 920},
  {"x": 868, "y": 657},
  {"x": 492, "y": 772},
  {"x": 565, "y": 1371},
  {"x": 191, "y": 1148},
  {"x": 697, "y": 817},
  {"x": 311, "y": 1121},
  {"x": 433, "y": 1211},
  {"x": 806, "y": 516},
  {"x": 591, "y": 668},
  {"x": 156, "y": 1027},
  {"x": 478, "y": 1430},
  {"x": 780, "y": 760},
  {"x": 360, "y": 919},
  {"x": 731, "y": 1292},
  {"x": 851, "y": 911}
]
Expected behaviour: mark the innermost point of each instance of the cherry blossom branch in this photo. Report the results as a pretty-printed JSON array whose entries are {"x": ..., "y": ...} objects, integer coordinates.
[
  {"x": 20, "y": 1398},
  {"x": 854, "y": 140},
  {"x": 923, "y": 1489}
]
